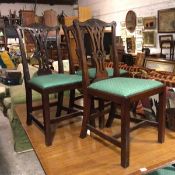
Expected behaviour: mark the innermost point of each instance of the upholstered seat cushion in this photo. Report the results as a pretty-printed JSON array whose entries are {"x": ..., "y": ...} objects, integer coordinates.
[
  {"x": 125, "y": 87},
  {"x": 48, "y": 81},
  {"x": 92, "y": 72}
]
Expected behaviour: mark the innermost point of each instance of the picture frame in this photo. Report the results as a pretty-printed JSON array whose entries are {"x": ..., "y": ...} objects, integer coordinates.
[
  {"x": 160, "y": 64},
  {"x": 139, "y": 21},
  {"x": 149, "y": 22},
  {"x": 130, "y": 44},
  {"x": 139, "y": 32},
  {"x": 130, "y": 21},
  {"x": 149, "y": 38},
  {"x": 139, "y": 44},
  {"x": 166, "y": 20}
]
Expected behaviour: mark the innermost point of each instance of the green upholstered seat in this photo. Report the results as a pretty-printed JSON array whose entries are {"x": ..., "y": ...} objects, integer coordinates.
[
  {"x": 92, "y": 72},
  {"x": 125, "y": 87},
  {"x": 49, "y": 81}
]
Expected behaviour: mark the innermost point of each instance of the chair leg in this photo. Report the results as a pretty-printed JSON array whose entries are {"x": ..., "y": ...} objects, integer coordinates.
[
  {"x": 29, "y": 105},
  {"x": 125, "y": 124},
  {"x": 102, "y": 117},
  {"x": 59, "y": 103},
  {"x": 161, "y": 116},
  {"x": 46, "y": 118},
  {"x": 92, "y": 109},
  {"x": 86, "y": 115},
  {"x": 111, "y": 115},
  {"x": 71, "y": 100}
]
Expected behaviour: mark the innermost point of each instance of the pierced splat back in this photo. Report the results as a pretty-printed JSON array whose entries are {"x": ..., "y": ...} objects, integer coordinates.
[
  {"x": 95, "y": 29},
  {"x": 39, "y": 35},
  {"x": 70, "y": 33}
]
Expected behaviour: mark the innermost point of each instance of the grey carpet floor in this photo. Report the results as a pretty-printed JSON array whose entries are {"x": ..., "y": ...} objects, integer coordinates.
[{"x": 12, "y": 163}]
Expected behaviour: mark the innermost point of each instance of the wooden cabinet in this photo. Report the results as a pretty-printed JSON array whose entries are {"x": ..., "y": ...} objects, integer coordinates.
[
  {"x": 27, "y": 18},
  {"x": 84, "y": 13},
  {"x": 69, "y": 20}
]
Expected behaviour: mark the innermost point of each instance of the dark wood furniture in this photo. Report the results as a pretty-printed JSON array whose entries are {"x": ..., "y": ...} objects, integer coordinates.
[
  {"x": 70, "y": 35},
  {"x": 167, "y": 42},
  {"x": 46, "y": 83},
  {"x": 121, "y": 91}
]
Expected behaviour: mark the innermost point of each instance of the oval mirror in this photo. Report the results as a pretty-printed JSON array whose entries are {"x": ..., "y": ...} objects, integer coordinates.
[{"x": 131, "y": 21}]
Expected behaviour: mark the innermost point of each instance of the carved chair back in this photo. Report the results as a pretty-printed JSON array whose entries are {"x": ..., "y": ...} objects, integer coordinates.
[
  {"x": 70, "y": 34},
  {"x": 40, "y": 38},
  {"x": 95, "y": 30}
]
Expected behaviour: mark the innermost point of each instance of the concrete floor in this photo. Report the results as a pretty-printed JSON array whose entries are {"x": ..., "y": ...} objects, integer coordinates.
[{"x": 12, "y": 163}]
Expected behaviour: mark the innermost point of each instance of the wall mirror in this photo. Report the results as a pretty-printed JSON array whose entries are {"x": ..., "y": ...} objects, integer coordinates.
[{"x": 131, "y": 21}]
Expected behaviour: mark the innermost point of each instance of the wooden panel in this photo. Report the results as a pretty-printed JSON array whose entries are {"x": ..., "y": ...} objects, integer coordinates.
[
  {"x": 50, "y": 18},
  {"x": 92, "y": 156},
  {"x": 69, "y": 20},
  {"x": 74, "y": 55},
  {"x": 27, "y": 18},
  {"x": 85, "y": 13}
]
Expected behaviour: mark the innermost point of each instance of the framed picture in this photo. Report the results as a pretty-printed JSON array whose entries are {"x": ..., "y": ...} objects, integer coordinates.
[
  {"x": 166, "y": 20},
  {"x": 139, "y": 32},
  {"x": 139, "y": 21},
  {"x": 139, "y": 45},
  {"x": 160, "y": 64},
  {"x": 130, "y": 21},
  {"x": 149, "y": 39},
  {"x": 130, "y": 43},
  {"x": 149, "y": 22}
]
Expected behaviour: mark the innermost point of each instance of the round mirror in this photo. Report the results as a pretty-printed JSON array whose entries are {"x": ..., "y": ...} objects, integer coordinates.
[{"x": 130, "y": 21}]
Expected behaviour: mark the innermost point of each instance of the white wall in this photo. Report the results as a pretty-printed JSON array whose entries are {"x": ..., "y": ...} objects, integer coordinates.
[
  {"x": 40, "y": 8},
  {"x": 117, "y": 9}
]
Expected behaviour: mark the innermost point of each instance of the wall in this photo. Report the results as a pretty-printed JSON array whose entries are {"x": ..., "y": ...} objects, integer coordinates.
[
  {"x": 40, "y": 8},
  {"x": 117, "y": 9}
]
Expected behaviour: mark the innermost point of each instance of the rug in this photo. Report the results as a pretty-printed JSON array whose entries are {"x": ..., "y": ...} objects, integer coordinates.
[{"x": 21, "y": 141}]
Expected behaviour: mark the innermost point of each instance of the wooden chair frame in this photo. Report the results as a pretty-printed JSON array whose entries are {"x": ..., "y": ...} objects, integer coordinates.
[
  {"x": 39, "y": 33},
  {"x": 95, "y": 28},
  {"x": 70, "y": 33}
]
